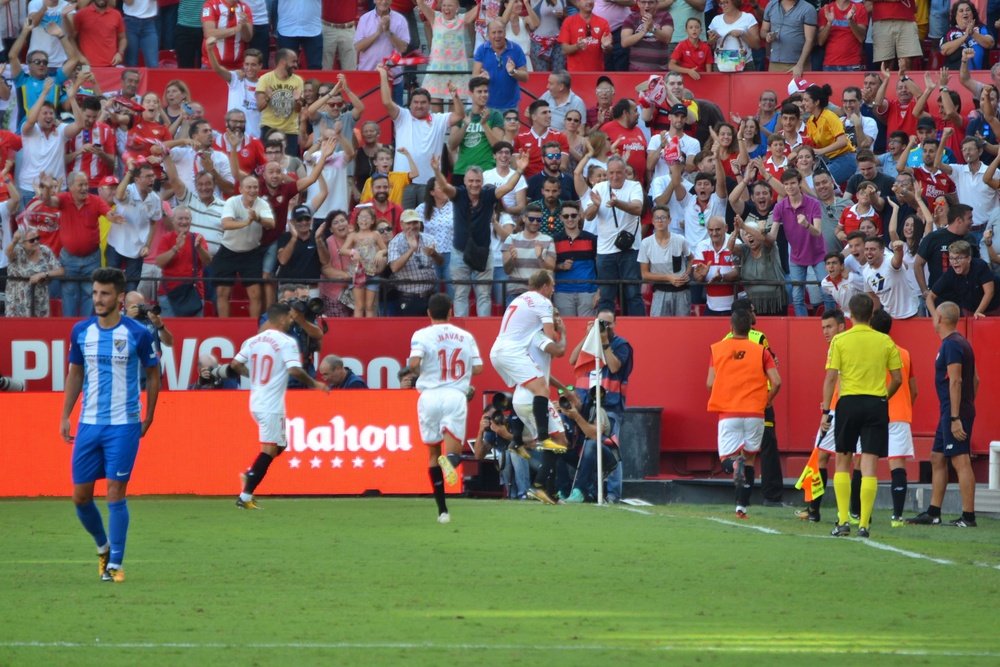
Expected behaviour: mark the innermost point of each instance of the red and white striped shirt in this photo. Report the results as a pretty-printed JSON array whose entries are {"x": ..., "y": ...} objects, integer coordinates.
[
  {"x": 101, "y": 136},
  {"x": 224, "y": 14},
  {"x": 251, "y": 155}
]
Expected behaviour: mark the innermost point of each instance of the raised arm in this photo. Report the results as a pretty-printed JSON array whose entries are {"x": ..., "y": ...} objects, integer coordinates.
[
  {"x": 442, "y": 182},
  {"x": 385, "y": 91}
]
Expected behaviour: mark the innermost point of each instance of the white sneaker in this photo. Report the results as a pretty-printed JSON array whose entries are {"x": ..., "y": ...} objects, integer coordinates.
[{"x": 444, "y": 517}]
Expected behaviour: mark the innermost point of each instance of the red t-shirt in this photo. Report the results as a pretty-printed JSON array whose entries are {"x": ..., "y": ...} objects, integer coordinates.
[
  {"x": 78, "y": 228},
  {"x": 279, "y": 201},
  {"x": 98, "y": 33},
  {"x": 182, "y": 264},
  {"x": 954, "y": 142},
  {"x": 390, "y": 215},
  {"x": 850, "y": 219},
  {"x": 574, "y": 29},
  {"x": 934, "y": 185},
  {"x": 633, "y": 141},
  {"x": 250, "y": 157},
  {"x": 527, "y": 141},
  {"x": 894, "y": 11},
  {"x": 338, "y": 11},
  {"x": 898, "y": 117},
  {"x": 842, "y": 48},
  {"x": 693, "y": 57},
  {"x": 10, "y": 144}
]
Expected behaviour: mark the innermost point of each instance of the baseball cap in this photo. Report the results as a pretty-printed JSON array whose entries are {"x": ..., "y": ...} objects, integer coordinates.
[
  {"x": 301, "y": 212},
  {"x": 679, "y": 109},
  {"x": 109, "y": 181},
  {"x": 604, "y": 79},
  {"x": 409, "y": 215},
  {"x": 927, "y": 123}
]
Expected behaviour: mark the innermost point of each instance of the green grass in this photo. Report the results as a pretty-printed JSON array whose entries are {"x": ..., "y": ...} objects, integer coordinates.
[{"x": 378, "y": 582}]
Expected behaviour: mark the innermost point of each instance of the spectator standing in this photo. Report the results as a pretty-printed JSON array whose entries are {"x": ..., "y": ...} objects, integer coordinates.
[
  {"x": 826, "y": 132},
  {"x": 129, "y": 242},
  {"x": 585, "y": 39},
  {"x": 760, "y": 267},
  {"x": 182, "y": 253},
  {"x": 250, "y": 155},
  {"x": 505, "y": 64},
  {"x": 801, "y": 217},
  {"x": 967, "y": 33},
  {"x": 894, "y": 34},
  {"x": 29, "y": 85},
  {"x": 842, "y": 28},
  {"x": 576, "y": 261},
  {"x": 339, "y": 20},
  {"x": 526, "y": 252},
  {"x": 971, "y": 185},
  {"x": 205, "y": 206},
  {"x": 437, "y": 215},
  {"x": 242, "y": 85},
  {"x": 448, "y": 63},
  {"x": 334, "y": 294},
  {"x": 93, "y": 149},
  {"x": 546, "y": 54},
  {"x": 101, "y": 34},
  {"x": 616, "y": 59},
  {"x": 413, "y": 260},
  {"x": 188, "y": 34},
  {"x": 261, "y": 39},
  {"x": 244, "y": 218},
  {"x": 540, "y": 132},
  {"x": 48, "y": 27},
  {"x": 665, "y": 261},
  {"x": 43, "y": 141},
  {"x": 693, "y": 55},
  {"x": 968, "y": 282},
  {"x": 35, "y": 265},
  {"x": 279, "y": 99},
  {"x": 671, "y": 146},
  {"x": 228, "y": 29},
  {"x": 562, "y": 99},
  {"x": 624, "y": 132},
  {"x": 734, "y": 34},
  {"x": 645, "y": 36},
  {"x": 302, "y": 253},
  {"x": 552, "y": 159},
  {"x": 143, "y": 36},
  {"x": 380, "y": 32},
  {"x": 511, "y": 204},
  {"x": 933, "y": 250},
  {"x": 714, "y": 266},
  {"x": 832, "y": 206},
  {"x": 616, "y": 204},
  {"x": 474, "y": 137},
  {"x": 600, "y": 113},
  {"x": 885, "y": 279},
  {"x": 300, "y": 26},
  {"x": 789, "y": 26},
  {"x": 197, "y": 153}
]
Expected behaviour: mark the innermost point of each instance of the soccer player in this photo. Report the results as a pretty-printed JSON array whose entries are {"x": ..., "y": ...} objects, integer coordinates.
[
  {"x": 541, "y": 351},
  {"x": 859, "y": 359},
  {"x": 743, "y": 380},
  {"x": 900, "y": 418},
  {"x": 445, "y": 358},
  {"x": 268, "y": 359},
  {"x": 107, "y": 353},
  {"x": 526, "y": 315},
  {"x": 957, "y": 384}
]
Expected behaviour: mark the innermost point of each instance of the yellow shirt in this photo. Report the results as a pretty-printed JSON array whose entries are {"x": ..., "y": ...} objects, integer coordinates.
[
  {"x": 398, "y": 180},
  {"x": 824, "y": 130},
  {"x": 862, "y": 356},
  {"x": 280, "y": 112}
]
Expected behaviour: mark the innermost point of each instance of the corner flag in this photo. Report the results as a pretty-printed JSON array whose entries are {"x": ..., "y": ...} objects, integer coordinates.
[{"x": 810, "y": 481}]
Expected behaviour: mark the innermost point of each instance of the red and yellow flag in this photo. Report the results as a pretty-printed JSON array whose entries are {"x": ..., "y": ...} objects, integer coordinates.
[{"x": 810, "y": 481}]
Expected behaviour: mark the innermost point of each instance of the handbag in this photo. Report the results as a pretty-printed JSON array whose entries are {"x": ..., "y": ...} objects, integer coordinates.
[
  {"x": 184, "y": 299},
  {"x": 731, "y": 60},
  {"x": 625, "y": 239},
  {"x": 476, "y": 256}
]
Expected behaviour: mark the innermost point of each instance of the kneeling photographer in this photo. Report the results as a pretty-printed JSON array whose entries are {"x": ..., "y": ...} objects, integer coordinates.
[
  {"x": 584, "y": 420},
  {"x": 305, "y": 330},
  {"x": 497, "y": 430},
  {"x": 149, "y": 317}
]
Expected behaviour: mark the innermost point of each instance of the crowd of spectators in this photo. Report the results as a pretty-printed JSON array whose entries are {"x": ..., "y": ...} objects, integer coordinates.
[{"x": 648, "y": 202}]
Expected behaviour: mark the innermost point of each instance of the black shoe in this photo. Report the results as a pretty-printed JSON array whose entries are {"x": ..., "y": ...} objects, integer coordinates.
[
  {"x": 841, "y": 530},
  {"x": 863, "y": 532},
  {"x": 962, "y": 523},
  {"x": 924, "y": 519}
]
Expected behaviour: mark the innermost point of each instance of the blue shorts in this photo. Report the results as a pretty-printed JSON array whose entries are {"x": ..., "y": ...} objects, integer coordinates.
[
  {"x": 944, "y": 441},
  {"x": 105, "y": 452}
]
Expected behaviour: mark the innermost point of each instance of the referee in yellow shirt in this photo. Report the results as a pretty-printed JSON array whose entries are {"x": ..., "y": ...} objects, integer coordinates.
[{"x": 859, "y": 358}]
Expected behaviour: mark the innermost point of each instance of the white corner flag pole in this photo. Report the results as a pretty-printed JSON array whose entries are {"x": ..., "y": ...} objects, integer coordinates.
[{"x": 592, "y": 344}]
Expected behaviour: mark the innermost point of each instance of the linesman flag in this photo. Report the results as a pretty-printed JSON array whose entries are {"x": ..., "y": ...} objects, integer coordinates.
[{"x": 810, "y": 481}]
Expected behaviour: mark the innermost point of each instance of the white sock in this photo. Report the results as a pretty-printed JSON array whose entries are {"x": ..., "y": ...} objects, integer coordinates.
[
  {"x": 105, "y": 549},
  {"x": 246, "y": 497}
]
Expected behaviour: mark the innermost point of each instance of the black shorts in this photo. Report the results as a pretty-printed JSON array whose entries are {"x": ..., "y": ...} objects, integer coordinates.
[
  {"x": 945, "y": 443},
  {"x": 247, "y": 266},
  {"x": 864, "y": 417}
]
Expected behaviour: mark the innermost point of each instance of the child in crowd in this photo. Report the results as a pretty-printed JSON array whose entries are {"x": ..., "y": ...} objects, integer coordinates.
[
  {"x": 692, "y": 55},
  {"x": 398, "y": 180},
  {"x": 367, "y": 249}
]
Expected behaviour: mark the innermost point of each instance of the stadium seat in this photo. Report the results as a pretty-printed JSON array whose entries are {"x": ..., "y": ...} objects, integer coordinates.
[
  {"x": 239, "y": 308},
  {"x": 168, "y": 59}
]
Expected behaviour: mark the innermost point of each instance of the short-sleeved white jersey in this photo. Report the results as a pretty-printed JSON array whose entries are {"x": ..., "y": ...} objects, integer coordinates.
[
  {"x": 268, "y": 356},
  {"x": 542, "y": 359},
  {"x": 523, "y": 318},
  {"x": 447, "y": 355}
]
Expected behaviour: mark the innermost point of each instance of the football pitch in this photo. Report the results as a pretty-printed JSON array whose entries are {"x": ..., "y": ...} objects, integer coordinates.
[{"x": 376, "y": 581}]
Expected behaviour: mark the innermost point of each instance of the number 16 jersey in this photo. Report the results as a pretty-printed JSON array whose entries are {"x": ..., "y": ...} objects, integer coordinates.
[
  {"x": 268, "y": 356},
  {"x": 447, "y": 355}
]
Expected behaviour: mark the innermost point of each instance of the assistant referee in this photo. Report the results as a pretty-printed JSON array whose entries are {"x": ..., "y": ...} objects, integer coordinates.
[{"x": 859, "y": 358}]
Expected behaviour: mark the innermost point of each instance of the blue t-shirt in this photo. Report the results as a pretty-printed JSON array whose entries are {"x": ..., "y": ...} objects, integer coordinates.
[
  {"x": 113, "y": 361},
  {"x": 505, "y": 91},
  {"x": 955, "y": 349},
  {"x": 28, "y": 88}
]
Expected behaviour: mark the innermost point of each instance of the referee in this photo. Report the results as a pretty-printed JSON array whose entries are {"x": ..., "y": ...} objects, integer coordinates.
[{"x": 859, "y": 358}]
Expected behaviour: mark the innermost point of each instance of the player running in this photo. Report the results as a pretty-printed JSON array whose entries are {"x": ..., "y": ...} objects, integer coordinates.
[
  {"x": 445, "y": 358},
  {"x": 526, "y": 315},
  {"x": 268, "y": 359},
  {"x": 106, "y": 355}
]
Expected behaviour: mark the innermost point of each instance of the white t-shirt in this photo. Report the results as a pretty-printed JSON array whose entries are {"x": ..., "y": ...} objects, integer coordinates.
[
  {"x": 300, "y": 18},
  {"x": 338, "y": 190},
  {"x": 607, "y": 231},
  {"x": 525, "y": 316},
  {"x": 447, "y": 355},
  {"x": 129, "y": 237},
  {"x": 242, "y": 95},
  {"x": 268, "y": 356},
  {"x": 42, "y": 152},
  {"x": 140, "y": 9},
  {"x": 188, "y": 164},
  {"x": 423, "y": 139},
  {"x": 43, "y": 41},
  {"x": 687, "y": 145},
  {"x": 891, "y": 288},
  {"x": 491, "y": 177},
  {"x": 246, "y": 238},
  {"x": 656, "y": 188},
  {"x": 206, "y": 219},
  {"x": 696, "y": 220},
  {"x": 744, "y": 23},
  {"x": 259, "y": 10},
  {"x": 971, "y": 190},
  {"x": 661, "y": 258},
  {"x": 541, "y": 359}
]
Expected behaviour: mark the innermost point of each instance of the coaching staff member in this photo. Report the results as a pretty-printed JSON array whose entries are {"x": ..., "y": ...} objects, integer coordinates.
[{"x": 860, "y": 357}]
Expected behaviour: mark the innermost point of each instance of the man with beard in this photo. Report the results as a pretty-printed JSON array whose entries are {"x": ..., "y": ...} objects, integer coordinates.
[
  {"x": 101, "y": 34},
  {"x": 279, "y": 99},
  {"x": 549, "y": 206},
  {"x": 385, "y": 210},
  {"x": 250, "y": 154},
  {"x": 629, "y": 138},
  {"x": 552, "y": 169},
  {"x": 196, "y": 154},
  {"x": 242, "y": 86},
  {"x": 540, "y": 132}
]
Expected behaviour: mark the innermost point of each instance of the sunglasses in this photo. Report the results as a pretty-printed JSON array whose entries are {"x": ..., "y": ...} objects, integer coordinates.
[
  {"x": 573, "y": 120},
  {"x": 570, "y": 216},
  {"x": 532, "y": 218},
  {"x": 36, "y": 61},
  {"x": 553, "y": 156},
  {"x": 386, "y": 230}
]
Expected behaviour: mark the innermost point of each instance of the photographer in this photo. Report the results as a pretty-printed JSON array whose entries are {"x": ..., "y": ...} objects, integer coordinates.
[
  {"x": 496, "y": 432},
  {"x": 337, "y": 375},
  {"x": 149, "y": 317},
  {"x": 209, "y": 380},
  {"x": 304, "y": 329},
  {"x": 584, "y": 419}
]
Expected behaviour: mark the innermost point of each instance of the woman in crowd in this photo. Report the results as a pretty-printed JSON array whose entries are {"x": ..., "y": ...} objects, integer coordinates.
[
  {"x": 966, "y": 32},
  {"x": 573, "y": 130},
  {"x": 733, "y": 35},
  {"x": 439, "y": 223},
  {"x": 724, "y": 137},
  {"x": 826, "y": 131},
  {"x": 28, "y": 259},
  {"x": 521, "y": 21},
  {"x": 750, "y": 141},
  {"x": 364, "y": 161},
  {"x": 175, "y": 96},
  {"x": 146, "y": 134},
  {"x": 337, "y": 296},
  {"x": 759, "y": 262},
  {"x": 546, "y": 56},
  {"x": 449, "y": 64}
]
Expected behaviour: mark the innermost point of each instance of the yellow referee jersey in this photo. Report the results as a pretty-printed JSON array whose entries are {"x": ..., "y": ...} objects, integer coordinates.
[{"x": 862, "y": 356}]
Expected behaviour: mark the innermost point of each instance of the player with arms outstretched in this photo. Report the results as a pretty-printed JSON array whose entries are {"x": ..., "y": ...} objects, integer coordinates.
[
  {"x": 107, "y": 354},
  {"x": 268, "y": 359},
  {"x": 445, "y": 358}
]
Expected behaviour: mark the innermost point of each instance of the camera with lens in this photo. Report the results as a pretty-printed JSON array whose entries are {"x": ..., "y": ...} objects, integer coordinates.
[
  {"x": 603, "y": 325},
  {"x": 10, "y": 384},
  {"x": 499, "y": 407},
  {"x": 564, "y": 403},
  {"x": 143, "y": 311},
  {"x": 309, "y": 308}
]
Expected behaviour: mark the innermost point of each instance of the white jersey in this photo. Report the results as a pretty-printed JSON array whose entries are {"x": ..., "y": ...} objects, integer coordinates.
[
  {"x": 243, "y": 96},
  {"x": 542, "y": 359},
  {"x": 524, "y": 317},
  {"x": 891, "y": 288},
  {"x": 268, "y": 356},
  {"x": 447, "y": 356}
]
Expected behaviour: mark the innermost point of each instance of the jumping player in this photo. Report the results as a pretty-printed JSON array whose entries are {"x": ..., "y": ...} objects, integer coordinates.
[
  {"x": 268, "y": 359},
  {"x": 445, "y": 358},
  {"x": 106, "y": 355}
]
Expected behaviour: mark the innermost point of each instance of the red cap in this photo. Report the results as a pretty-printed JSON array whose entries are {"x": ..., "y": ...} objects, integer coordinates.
[{"x": 110, "y": 181}]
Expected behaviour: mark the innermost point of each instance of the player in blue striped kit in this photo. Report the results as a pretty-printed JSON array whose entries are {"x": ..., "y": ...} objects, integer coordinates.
[{"x": 107, "y": 355}]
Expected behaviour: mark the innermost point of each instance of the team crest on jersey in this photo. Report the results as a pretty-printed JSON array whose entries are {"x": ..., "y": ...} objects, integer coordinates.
[{"x": 119, "y": 345}]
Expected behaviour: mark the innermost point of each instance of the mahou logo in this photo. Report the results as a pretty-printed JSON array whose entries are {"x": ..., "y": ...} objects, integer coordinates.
[{"x": 338, "y": 436}]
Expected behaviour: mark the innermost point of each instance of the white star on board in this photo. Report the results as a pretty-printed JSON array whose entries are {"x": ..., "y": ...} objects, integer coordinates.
[
  {"x": 294, "y": 462},
  {"x": 379, "y": 462},
  {"x": 315, "y": 462},
  {"x": 358, "y": 462},
  {"x": 336, "y": 462}
]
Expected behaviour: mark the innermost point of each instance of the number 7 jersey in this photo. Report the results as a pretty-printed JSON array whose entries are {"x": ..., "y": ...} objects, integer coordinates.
[
  {"x": 268, "y": 356},
  {"x": 447, "y": 355}
]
